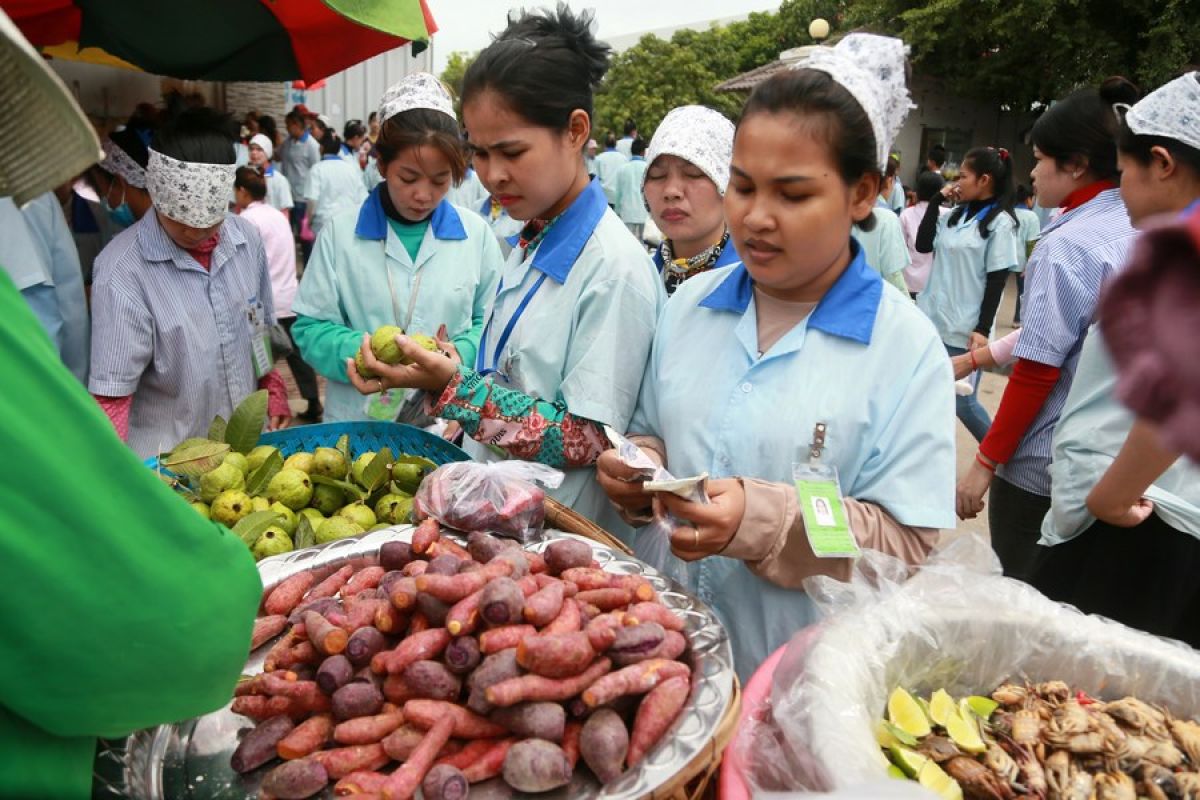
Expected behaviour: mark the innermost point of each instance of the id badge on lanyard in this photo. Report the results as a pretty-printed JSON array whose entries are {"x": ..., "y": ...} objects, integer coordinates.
[
  {"x": 819, "y": 494},
  {"x": 260, "y": 338}
]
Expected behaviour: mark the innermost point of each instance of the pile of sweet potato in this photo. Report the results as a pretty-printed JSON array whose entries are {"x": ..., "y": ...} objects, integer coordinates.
[{"x": 445, "y": 666}]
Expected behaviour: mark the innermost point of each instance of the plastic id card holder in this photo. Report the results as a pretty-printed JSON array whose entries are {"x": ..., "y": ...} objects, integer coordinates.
[
  {"x": 385, "y": 405},
  {"x": 820, "y": 497}
]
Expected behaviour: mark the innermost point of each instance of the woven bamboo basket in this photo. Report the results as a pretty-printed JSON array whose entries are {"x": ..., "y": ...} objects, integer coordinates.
[{"x": 695, "y": 780}]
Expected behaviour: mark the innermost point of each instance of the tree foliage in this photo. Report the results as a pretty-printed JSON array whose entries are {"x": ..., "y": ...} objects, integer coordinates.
[
  {"x": 455, "y": 71},
  {"x": 1012, "y": 53}
]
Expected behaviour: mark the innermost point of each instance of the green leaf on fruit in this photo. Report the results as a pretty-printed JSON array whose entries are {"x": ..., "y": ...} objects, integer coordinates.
[
  {"x": 343, "y": 445},
  {"x": 193, "y": 458},
  {"x": 247, "y": 422},
  {"x": 256, "y": 484},
  {"x": 251, "y": 526},
  {"x": 349, "y": 488},
  {"x": 305, "y": 535},
  {"x": 216, "y": 431},
  {"x": 378, "y": 471}
]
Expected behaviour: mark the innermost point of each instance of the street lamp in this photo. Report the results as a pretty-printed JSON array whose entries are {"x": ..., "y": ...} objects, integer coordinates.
[{"x": 818, "y": 29}]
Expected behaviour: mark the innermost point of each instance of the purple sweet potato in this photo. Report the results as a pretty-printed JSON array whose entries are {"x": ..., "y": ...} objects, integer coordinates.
[
  {"x": 445, "y": 564},
  {"x": 258, "y": 746},
  {"x": 433, "y": 680},
  {"x": 604, "y": 744},
  {"x": 395, "y": 555},
  {"x": 357, "y": 700},
  {"x": 295, "y": 780},
  {"x": 533, "y": 720},
  {"x": 335, "y": 672},
  {"x": 636, "y": 643},
  {"x": 502, "y": 603},
  {"x": 462, "y": 655},
  {"x": 565, "y": 554},
  {"x": 363, "y": 644},
  {"x": 444, "y": 782},
  {"x": 492, "y": 670},
  {"x": 536, "y": 765},
  {"x": 483, "y": 547},
  {"x": 434, "y": 610}
]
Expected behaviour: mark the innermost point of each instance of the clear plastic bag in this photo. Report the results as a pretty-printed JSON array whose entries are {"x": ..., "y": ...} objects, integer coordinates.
[
  {"x": 954, "y": 623},
  {"x": 653, "y": 542},
  {"x": 498, "y": 497}
]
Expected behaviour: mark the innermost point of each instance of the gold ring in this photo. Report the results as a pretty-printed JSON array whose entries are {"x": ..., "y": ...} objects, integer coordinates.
[
  {"x": 380, "y": 382},
  {"x": 696, "y": 538}
]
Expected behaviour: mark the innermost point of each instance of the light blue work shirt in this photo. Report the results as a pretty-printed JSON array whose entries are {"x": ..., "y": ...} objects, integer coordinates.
[
  {"x": 46, "y": 222},
  {"x": 865, "y": 362},
  {"x": 333, "y": 186},
  {"x": 25, "y": 262},
  {"x": 1091, "y": 431},
  {"x": 1078, "y": 251},
  {"x": 625, "y": 146},
  {"x": 962, "y": 259},
  {"x": 361, "y": 277},
  {"x": 884, "y": 248},
  {"x": 279, "y": 191},
  {"x": 585, "y": 335},
  {"x": 297, "y": 157},
  {"x": 608, "y": 164},
  {"x": 470, "y": 193},
  {"x": 1029, "y": 228},
  {"x": 631, "y": 203},
  {"x": 507, "y": 229}
]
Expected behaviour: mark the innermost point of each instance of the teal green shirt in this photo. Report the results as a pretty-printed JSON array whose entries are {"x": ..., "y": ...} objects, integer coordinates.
[
  {"x": 410, "y": 235},
  {"x": 122, "y": 607}
]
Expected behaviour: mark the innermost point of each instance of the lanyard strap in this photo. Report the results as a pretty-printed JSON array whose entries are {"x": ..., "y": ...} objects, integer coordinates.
[
  {"x": 480, "y": 365},
  {"x": 412, "y": 296}
]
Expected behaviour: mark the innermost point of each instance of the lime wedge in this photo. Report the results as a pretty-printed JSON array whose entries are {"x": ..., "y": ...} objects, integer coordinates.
[
  {"x": 884, "y": 737},
  {"x": 895, "y": 772},
  {"x": 980, "y": 706},
  {"x": 902, "y": 736},
  {"x": 934, "y": 778},
  {"x": 964, "y": 732},
  {"x": 910, "y": 761},
  {"x": 942, "y": 707},
  {"x": 906, "y": 714}
]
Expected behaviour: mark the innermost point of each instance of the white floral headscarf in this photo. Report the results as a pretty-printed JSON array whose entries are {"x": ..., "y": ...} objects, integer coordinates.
[
  {"x": 188, "y": 192},
  {"x": 419, "y": 90},
  {"x": 698, "y": 135},
  {"x": 1172, "y": 111}
]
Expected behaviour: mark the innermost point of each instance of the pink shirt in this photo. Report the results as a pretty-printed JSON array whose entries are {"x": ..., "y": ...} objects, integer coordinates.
[
  {"x": 916, "y": 274},
  {"x": 277, "y": 240}
]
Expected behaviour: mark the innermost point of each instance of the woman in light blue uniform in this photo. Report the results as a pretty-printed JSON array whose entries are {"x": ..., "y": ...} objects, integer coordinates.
[
  {"x": 1122, "y": 503},
  {"x": 798, "y": 351},
  {"x": 973, "y": 247},
  {"x": 334, "y": 185},
  {"x": 684, "y": 186},
  {"x": 405, "y": 257},
  {"x": 566, "y": 342}
]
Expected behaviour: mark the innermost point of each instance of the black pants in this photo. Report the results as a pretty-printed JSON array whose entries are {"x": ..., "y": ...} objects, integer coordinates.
[
  {"x": 1015, "y": 519},
  {"x": 1144, "y": 577},
  {"x": 1020, "y": 291},
  {"x": 306, "y": 377}
]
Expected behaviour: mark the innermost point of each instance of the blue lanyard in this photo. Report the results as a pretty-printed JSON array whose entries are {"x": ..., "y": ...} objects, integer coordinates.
[
  {"x": 480, "y": 366},
  {"x": 979, "y": 214}
]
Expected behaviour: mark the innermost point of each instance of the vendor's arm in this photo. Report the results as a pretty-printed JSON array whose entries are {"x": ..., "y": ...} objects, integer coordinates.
[
  {"x": 126, "y": 609},
  {"x": 122, "y": 347},
  {"x": 1118, "y": 497}
]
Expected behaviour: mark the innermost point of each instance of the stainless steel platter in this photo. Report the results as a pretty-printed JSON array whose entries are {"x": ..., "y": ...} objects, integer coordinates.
[{"x": 190, "y": 760}]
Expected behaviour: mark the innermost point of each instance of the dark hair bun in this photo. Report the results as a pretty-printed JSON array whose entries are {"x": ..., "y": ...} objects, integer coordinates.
[
  {"x": 563, "y": 28},
  {"x": 1119, "y": 90}
]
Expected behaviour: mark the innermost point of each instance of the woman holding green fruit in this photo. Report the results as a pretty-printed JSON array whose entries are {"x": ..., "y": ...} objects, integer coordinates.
[{"x": 407, "y": 260}]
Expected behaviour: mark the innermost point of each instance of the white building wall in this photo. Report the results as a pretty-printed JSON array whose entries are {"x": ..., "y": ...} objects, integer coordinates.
[{"x": 354, "y": 93}]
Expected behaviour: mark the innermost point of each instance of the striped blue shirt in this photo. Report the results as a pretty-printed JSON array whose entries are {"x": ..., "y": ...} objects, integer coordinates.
[
  {"x": 175, "y": 335},
  {"x": 1076, "y": 253}
]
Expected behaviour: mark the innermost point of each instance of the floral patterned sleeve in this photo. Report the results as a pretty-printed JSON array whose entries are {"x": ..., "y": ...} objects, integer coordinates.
[{"x": 526, "y": 427}]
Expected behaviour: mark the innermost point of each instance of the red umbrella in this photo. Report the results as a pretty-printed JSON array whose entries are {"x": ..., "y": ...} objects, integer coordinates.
[{"x": 224, "y": 40}]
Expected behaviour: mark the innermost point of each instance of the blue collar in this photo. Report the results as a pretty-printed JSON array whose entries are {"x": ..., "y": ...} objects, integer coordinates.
[
  {"x": 269, "y": 172},
  {"x": 372, "y": 222},
  {"x": 565, "y": 239},
  {"x": 728, "y": 256},
  {"x": 847, "y": 310},
  {"x": 637, "y": 158},
  {"x": 331, "y": 157},
  {"x": 610, "y": 149},
  {"x": 304, "y": 137},
  {"x": 346, "y": 150}
]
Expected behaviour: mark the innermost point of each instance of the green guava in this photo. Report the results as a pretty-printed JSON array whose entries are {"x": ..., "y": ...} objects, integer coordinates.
[
  {"x": 225, "y": 477},
  {"x": 287, "y": 518},
  {"x": 300, "y": 461},
  {"x": 273, "y": 541},
  {"x": 393, "y": 508},
  {"x": 260, "y": 504},
  {"x": 327, "y": 499},
  {"x": 337, "y": 528},
  {"x": 201, "y": 509},
  {"x": 360, "y": 465},
  {"x": 329, "y": 461},
  {"x": 358, "y": 513},
  {"x": 383, "y": 344},
  {"x": 315, "y": 518},
  {"x": 292, "y": 487},
  {"x": 260, "y": 454},
  {"x": 361, "y": 366},
  {"x": 238, "y": 460},
  {"x": 407, "y": 476},
  {"x": 230, "y": 506}
]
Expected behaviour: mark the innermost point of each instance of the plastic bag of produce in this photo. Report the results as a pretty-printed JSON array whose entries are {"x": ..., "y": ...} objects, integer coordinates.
[
  {"x": 498, "y": 497},
  {"x": 956, "y": 624}
]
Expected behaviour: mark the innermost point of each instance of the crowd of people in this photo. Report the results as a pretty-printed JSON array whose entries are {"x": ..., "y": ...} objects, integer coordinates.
[{"x": 802, "y": 320}]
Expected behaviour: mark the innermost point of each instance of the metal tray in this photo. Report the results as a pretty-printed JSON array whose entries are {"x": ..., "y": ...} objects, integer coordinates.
[{"x": 190, "y": 760}]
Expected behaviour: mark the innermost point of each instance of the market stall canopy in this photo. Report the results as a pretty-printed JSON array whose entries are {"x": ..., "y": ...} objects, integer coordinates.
[{"x": 223, "y": 40}]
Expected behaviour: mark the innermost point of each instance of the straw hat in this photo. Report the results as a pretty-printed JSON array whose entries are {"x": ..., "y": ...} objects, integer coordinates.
[{"x": 48, "y": 140}]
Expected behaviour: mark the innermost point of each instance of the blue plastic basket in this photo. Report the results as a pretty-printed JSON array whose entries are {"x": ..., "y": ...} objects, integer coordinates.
[{"x": 364, "y": 437}]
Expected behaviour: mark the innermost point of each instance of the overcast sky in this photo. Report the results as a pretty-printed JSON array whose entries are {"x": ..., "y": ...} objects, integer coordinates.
[{"x": 466, "y": 24}]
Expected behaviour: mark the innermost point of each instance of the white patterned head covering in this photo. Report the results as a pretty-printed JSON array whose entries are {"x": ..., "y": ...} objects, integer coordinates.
[
  {"x": 264, "y": 141},
  {"x": 118, "y": 162},
  {"x": 194, "y": 194},
  {"x": 419, "y": 90},
  {"x": 872, "y": 69},
  {"x": 1172, "y": 111},
  {"x": 698, "y": 135}
]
